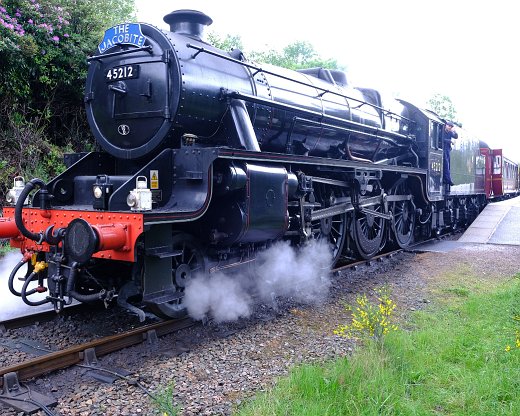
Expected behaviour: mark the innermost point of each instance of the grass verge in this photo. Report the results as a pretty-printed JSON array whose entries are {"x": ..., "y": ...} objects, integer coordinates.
[{"x": 453, "y": 362}]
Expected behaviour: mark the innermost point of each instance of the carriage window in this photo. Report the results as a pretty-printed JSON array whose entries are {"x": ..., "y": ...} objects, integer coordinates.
[
  {"x": 497, "y": 165},
  {"x": 480, "y": 165}
]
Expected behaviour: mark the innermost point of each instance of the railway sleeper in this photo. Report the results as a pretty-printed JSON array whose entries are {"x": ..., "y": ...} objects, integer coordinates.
[{"x": 21, "y": 398}]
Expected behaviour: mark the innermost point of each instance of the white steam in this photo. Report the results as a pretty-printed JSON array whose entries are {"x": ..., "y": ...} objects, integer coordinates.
[
  {"x": 281, "y": 271},
  {"x": 219, "y": 296},
  {"x": 302, "y": 274}
]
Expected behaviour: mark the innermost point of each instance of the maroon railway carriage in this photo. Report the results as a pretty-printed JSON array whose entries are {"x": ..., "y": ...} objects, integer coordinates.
[{"x": 501, "y": 175}]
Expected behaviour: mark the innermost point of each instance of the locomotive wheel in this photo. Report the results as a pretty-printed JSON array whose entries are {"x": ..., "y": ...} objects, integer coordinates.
[
  {"x": 368, "y": 232},
  {"x": 186, "y": 265},
  {"x": 404, "y": 216},
  {"x": 332, "y": 230}
]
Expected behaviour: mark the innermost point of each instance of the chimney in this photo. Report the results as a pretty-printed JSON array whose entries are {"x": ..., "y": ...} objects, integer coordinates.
[{"x": 188, "y": 22}]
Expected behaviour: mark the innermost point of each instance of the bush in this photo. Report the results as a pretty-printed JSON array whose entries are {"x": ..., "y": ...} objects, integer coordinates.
[{"x": 43, "y": 50}]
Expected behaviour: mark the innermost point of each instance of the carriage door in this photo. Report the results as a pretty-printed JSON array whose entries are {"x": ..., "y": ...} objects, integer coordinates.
[
  {"x": 497, "y": 173},
  {"x": 488, "y": 170}
]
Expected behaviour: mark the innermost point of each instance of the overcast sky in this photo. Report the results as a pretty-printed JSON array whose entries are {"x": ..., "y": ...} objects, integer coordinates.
[{"x": 467, "y": 50}]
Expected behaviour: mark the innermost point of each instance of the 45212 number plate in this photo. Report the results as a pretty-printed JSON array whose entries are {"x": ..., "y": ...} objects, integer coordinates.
[{"x": 122, "y": 72}]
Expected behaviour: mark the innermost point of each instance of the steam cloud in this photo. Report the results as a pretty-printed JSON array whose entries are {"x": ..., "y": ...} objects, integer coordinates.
[{"x": 281, "y": 271}]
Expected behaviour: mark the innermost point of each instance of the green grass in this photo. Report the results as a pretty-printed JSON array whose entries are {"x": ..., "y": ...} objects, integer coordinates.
[
  {"x": 163, "y": 401},
  {"x": 453, "y": 362}
]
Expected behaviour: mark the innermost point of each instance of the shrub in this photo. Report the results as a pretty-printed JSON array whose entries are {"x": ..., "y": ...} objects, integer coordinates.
[
  {"x": 43, "y": 50},
  {"x": 370, "y": 319}
]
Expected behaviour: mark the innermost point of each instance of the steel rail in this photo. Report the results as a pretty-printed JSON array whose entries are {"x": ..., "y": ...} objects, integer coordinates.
[{"x": 356, "y": 264}]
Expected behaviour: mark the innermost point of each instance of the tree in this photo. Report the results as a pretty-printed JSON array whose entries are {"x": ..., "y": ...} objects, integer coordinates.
[
  {"x": 443, "y": 107},
  {"x": 228, "y": 43},
  {"x": 296, "y": 55}
]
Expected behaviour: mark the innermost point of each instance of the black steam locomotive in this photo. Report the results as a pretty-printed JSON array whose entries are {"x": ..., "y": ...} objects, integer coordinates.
[{"x": 209, "y": 158}]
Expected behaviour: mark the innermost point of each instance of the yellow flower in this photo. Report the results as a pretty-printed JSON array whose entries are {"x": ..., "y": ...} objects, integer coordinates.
[
  {"x": 508, "y": 348},
  {"x": 374, "y": 320}
]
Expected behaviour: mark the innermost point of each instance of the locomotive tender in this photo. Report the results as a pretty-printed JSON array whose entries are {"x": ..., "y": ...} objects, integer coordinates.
[{"x": 208, "y": 158}]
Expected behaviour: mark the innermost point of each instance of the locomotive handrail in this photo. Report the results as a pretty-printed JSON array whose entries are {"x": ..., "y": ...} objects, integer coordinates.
[
  {"x": 324, "y": 90},
  {"x": 148, "y": 49},
  {"x": 282, "y": 106}
]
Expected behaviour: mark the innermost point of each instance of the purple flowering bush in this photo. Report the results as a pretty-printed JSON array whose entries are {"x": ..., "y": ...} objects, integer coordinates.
[
  {"x": 30, "y": 32},
  {"x": 43, "y": 49}
]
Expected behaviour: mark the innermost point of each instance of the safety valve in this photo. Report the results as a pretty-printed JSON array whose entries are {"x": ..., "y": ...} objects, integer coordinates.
[
  {"x": 140, "y": 198},
  {"x": 102, "y": 189}
]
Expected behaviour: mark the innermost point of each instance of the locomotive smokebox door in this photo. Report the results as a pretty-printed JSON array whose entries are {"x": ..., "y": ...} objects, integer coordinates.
[{"x": 131, "y": 92}]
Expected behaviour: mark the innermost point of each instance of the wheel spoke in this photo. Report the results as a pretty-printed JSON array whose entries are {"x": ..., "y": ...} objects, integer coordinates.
[
  {"x": 191, "y": 258},
  {"x": 332, "y": 230},
  {"x": 404, "y": 216},
  {"x": 368, "y": 232}
]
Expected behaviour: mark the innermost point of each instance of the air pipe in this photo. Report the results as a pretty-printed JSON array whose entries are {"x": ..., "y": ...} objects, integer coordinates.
[
  {"x": 78, "y": 296},
  {"x": 10, "y": 282},
  {"x": 38, "y": 267},
  {"x": 44, "y": 204}
]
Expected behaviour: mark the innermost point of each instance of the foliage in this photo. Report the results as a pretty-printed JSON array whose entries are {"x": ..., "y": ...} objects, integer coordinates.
[
  {"x": 369, "y": 319},
  {"x": 517, "y": 341},
  {"x": 228, "y": 43},
  {"x": 443, "y": 106},
  {"x": 296, "y": 55},
  {"x": 452, "y": 362},
  {"x": 163, "y": 401},
  {"x": 43, "y": 46},
  {"x": 5, "y": 247}
]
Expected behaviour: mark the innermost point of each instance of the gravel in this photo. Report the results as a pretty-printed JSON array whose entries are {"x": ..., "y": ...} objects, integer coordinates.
[{"x": 213, "y": 368}]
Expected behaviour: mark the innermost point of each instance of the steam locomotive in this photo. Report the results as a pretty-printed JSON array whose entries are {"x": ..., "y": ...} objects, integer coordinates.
[{"x": 208, "y": 158}]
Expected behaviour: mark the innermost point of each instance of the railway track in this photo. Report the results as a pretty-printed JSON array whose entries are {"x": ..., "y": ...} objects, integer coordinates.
[
  {"x": 356, "y": 264},
  {"x": 57, "y": 360},
  {"x": 76, "y": 354},
  {"x": 83, "y": 353},
  {"x": 70, "y": 356}
]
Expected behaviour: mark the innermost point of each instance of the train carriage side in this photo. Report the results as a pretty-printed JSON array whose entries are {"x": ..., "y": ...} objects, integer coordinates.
[
  {"x": 510, "y": 177},
  {"x": 501, "y": 175},
  {"x": 467, "y": 165}
]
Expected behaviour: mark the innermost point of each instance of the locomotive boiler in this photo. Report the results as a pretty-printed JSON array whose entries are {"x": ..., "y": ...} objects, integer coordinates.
[
  {"x": 208, "y": 158},
  {"x": 176, "y": 84}
]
